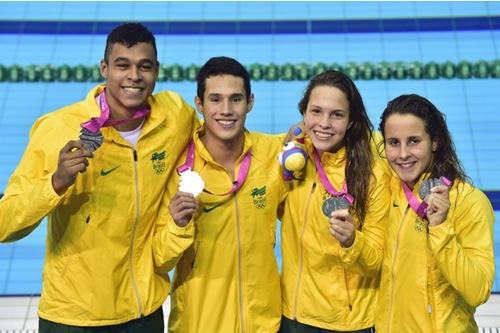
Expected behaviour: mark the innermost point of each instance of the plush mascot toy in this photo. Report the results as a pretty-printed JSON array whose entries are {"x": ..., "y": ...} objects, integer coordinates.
[{"x": 293, "y": 157}]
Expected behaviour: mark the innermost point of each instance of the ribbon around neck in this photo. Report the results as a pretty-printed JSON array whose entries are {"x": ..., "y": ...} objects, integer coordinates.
[
  {"x": 242, "y": 172},
  {"x": 326, "y": 182},
  {"x": 96, "y": 123}
]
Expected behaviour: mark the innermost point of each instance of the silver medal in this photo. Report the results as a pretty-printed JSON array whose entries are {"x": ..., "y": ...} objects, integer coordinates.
[
  {"x": 425, "y": 187},
  {"x": 90, "y": 140},
  {"x": 332, "y": 204}
]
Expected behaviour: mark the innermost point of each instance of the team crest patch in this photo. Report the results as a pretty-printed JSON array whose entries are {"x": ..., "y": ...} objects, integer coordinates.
[
  {"x": 259, "y": 197},
  {"x": 158, "y": 160},
  {"x": 420, "y": 225}
]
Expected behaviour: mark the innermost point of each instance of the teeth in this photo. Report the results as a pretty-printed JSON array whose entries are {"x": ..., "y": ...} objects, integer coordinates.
[
  {"x": 132, "y": 89},
  {"x": 225, "y": 122},
  {"x": 323, "y": 135}
]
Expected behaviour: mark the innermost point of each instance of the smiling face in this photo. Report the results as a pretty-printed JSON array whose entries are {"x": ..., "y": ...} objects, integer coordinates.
[
  {"x": 408, "y": 146},
  {"x": 131, "y": 75},
  {"x": 224, "y": 108},
  {"x": 326, "y": 118}
]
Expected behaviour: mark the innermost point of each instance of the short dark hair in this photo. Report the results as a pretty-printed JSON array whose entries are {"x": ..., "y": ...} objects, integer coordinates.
[
  {"x": 222, "y": 66},
  {"x": 445, "y": 160},
  {"x": 129, "y": 34}
]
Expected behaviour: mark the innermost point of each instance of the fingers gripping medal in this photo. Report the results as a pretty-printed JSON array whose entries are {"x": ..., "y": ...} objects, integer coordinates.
[
  {"x": 191, "y": 182},
  {"x": 332, "y": 204},
  {"x": 426, "y": 186},
  {"x": 91, "y": 141}
]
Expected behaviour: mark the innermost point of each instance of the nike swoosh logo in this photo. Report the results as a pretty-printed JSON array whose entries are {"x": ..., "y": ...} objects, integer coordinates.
[
  {"x": 107, "y": 172},
  {"x": 209, "y": 209}
]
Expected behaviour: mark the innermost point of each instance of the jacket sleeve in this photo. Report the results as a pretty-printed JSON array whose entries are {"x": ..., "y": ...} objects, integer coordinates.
[
  {"x": 365, "y": 254},
  {"x": 463, "y": 246},
  {"x": 29, "y": 195},
  {"x": 169, "y": 240}
]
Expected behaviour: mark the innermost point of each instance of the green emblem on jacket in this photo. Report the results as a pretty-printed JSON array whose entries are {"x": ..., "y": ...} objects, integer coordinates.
[
  {"x": 259, "y": 197},
  {"x": 158, "y": 160}
]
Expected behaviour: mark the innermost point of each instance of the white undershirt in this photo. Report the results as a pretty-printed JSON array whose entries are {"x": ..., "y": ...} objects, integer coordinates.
[{"x": 132, "y": 136}]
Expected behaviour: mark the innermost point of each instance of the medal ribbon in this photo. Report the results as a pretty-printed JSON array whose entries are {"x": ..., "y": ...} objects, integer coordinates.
[
  {"x": 326, "y": 183},
  {"x": 242, "y": 173},
  {"x": 95, "y": 123},
  {"x": 420, "y": 207}
]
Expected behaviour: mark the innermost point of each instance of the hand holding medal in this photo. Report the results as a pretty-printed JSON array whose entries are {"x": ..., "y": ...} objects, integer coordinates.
[
  {"x": 435, "y": 192},
  {"x": 342, "y": 227}
]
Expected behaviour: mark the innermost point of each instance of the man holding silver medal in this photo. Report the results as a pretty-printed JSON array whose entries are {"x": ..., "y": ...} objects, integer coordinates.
[
  {"x": 227, "y": 278},
  {"x": 102, "y": 193}
]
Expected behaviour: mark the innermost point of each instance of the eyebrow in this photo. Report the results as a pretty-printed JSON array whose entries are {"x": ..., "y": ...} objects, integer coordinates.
[{"x": 142, "y": 61}]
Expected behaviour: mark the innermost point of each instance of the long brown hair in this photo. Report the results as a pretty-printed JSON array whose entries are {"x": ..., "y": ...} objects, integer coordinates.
[
  {"x": 358, "y": 169},
  {"x": 445, "y": 161}
]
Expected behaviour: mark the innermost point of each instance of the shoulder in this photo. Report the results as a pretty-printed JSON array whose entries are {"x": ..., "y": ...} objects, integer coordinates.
[
  {"x": 67, "y": 117},
  {"x": 169, "y": 99},
  {"x": 468, "y": 195},
  {"x": 263, "y": 143}
]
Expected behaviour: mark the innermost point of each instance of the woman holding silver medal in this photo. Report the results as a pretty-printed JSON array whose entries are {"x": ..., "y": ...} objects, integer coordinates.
[
  {"x": 438, "y": 257},
  {"x": 333, "y": 218}
]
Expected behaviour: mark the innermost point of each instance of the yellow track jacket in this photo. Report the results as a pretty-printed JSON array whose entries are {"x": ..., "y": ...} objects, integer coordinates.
[
  {"x": 433, "y": 278},
  {"x": 98, "y": 263},
  {"x": 323, "y": 284},
  {"x": 228, "y": 280}
]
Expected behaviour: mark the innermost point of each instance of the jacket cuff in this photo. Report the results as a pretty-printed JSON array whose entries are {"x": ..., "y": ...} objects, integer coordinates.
[
  {"x": 186, "y": 231},
  {"x": 349, "y": 255},
  {"x": 48, "y": 192},
  {"x": 440, "y": 235}
]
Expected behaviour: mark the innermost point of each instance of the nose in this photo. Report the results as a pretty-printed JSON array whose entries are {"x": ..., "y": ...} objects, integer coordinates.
[
  {"x": 226, "y": 108},
  {"x": 404, "y": 152},
  {"x": 325, "y": 121},
  {"x": 134, "y": 74}
]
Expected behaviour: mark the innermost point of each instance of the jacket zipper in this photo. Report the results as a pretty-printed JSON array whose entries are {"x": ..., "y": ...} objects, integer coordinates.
[
  {"x": 301, "y": 254},
  {"x": 240, "y": 270},
  {"x": 391, "y": 307},
  {"x": 132, "y": 244},
  {"x": 430, "y": 293},
  {"x": 347, "y": 290}
]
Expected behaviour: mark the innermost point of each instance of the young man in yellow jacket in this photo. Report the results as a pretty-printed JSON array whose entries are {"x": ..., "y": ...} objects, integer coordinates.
[
  {"x": 101, "y": 205},
  {"x": 227, "y": 280}
]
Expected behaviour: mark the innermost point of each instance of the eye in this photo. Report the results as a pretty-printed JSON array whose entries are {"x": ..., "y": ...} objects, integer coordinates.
[
  {"x": 415, "y": 141},
  {"x": 288, "y": 146},
  {"x": 392, "y": 142},
  {"x": 237, "y": 99},
  {"x": 147, "y": 67},
  {"x": 338, "y": 114}
]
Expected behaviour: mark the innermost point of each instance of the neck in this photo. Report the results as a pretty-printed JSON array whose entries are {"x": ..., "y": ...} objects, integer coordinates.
[
  {"x": 118, "y": 112},
  {"x": 225, "y": 153}
]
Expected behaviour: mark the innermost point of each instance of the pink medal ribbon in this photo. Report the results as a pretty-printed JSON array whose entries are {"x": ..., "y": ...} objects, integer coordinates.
[
  {"x": 242, "y": 173},
  {"x": 420, "y": 207},
  {"x": 326, "y": 183},
  {"x": 96, "y": 123}
]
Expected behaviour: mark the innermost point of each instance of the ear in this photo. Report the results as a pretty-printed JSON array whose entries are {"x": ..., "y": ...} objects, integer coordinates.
[
  {"x": 251, "y": 100},
  {"x": 199, "y": 105},
  {"x": 434, "y": 146},
  {"x": 157, "y": 69},
  {"x": 103, "y": 68}
]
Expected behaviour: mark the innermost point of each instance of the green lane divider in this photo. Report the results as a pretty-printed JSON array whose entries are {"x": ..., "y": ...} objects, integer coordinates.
[{"x": 398, "y": 70}]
